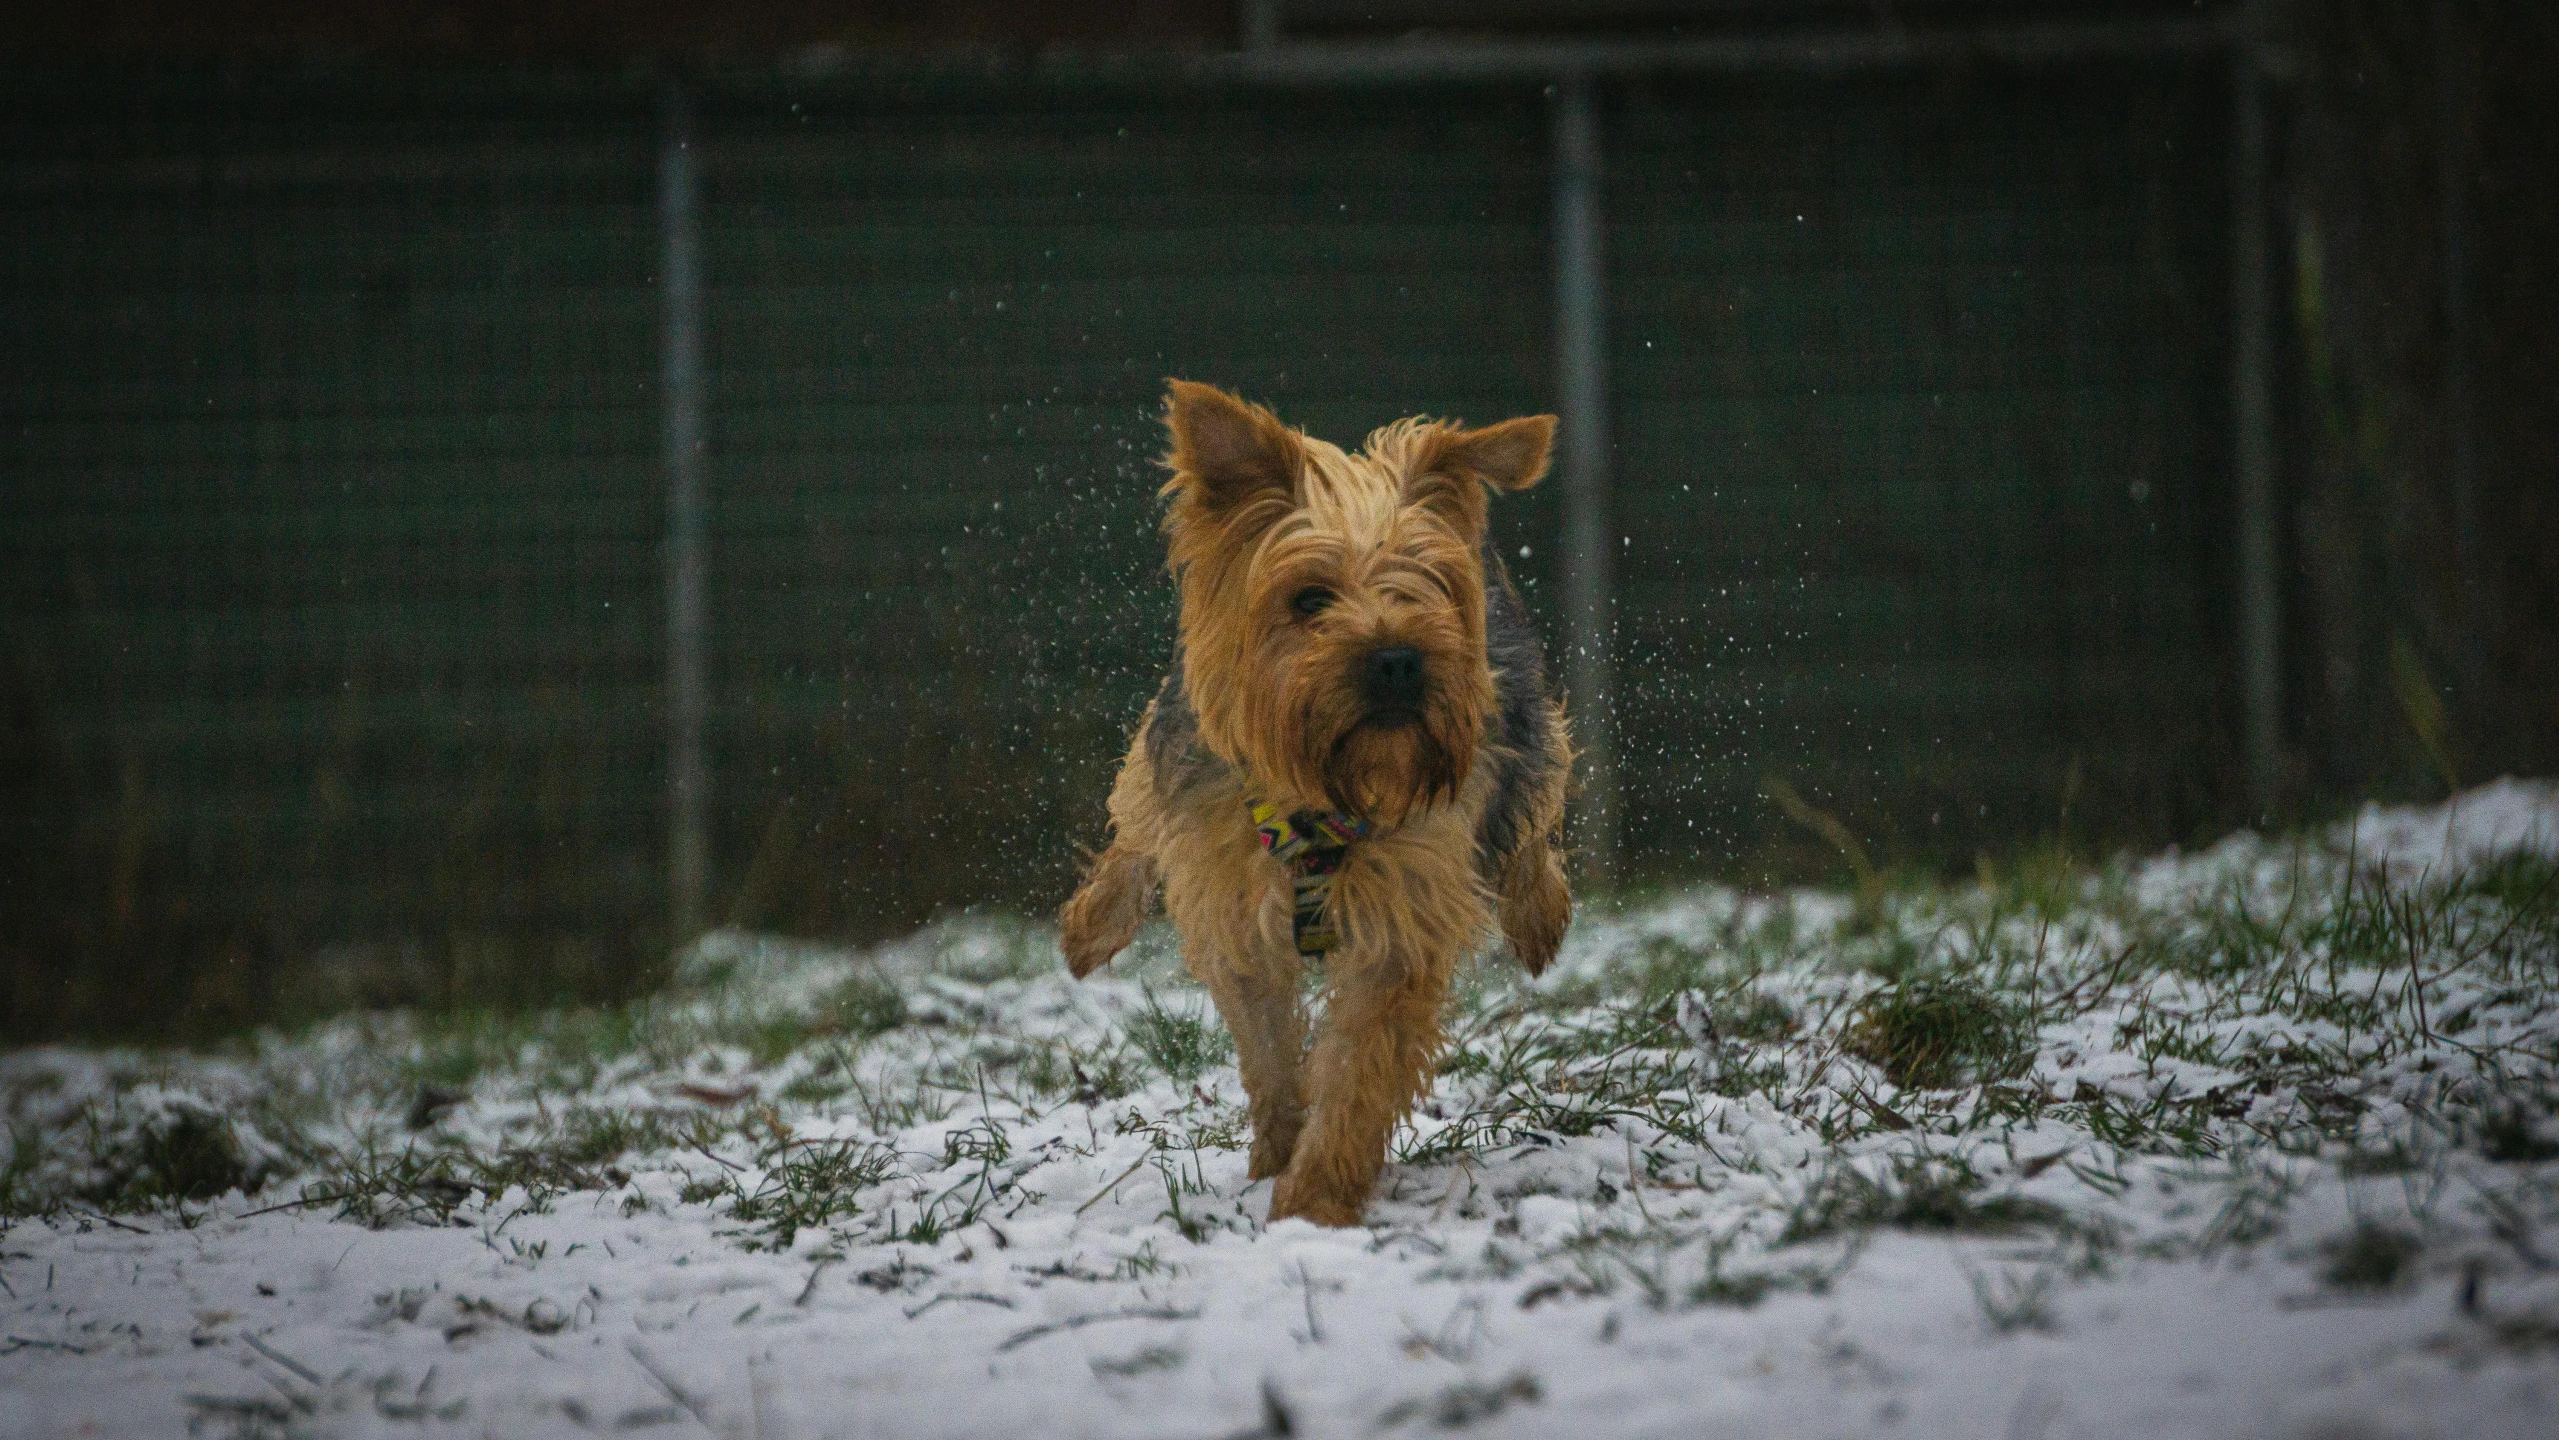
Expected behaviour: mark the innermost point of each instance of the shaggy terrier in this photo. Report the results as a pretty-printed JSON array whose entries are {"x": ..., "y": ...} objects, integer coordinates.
[{"x": 1355, "y": 763}]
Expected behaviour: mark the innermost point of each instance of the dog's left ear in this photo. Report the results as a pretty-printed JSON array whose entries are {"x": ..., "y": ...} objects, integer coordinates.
[
  {"x": 1455, "y": 464},
  {"x": 1508, "y": 456}
]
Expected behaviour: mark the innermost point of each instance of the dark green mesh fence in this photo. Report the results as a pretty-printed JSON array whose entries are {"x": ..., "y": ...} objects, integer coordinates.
[
  {"x": 330, "y": 446},
  {"x": 1918, "y": 388},
  {"x": 332, "y": 601}
]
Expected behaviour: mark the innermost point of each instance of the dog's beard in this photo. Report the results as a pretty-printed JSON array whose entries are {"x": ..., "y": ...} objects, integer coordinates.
[{"x": 1385, "y": 771}]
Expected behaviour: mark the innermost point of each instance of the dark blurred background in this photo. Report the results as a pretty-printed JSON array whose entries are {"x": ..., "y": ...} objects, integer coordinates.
[{"x": 492, "y": 489}]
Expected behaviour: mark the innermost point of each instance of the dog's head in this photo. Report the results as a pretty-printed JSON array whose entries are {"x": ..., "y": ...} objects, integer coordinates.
[{"x": 1333, "y": 603}]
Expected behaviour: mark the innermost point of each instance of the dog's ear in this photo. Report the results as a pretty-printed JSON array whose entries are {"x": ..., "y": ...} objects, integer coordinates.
[
  {"x": 1454, "y": 464},
  {"x": 1508, "y": 456},
  {"x": 1227, "y": 451}
]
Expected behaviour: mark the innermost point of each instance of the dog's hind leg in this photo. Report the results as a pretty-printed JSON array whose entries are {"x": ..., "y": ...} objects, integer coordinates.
[{"x": 1105, "y": 911}]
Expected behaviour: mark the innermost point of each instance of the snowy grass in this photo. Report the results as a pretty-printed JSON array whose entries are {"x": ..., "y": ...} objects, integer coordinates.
[{"x": 2231, "y": 1143}]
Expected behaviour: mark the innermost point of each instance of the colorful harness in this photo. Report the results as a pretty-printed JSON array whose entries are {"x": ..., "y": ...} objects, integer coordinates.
[{"x": 1312, "y": 844}]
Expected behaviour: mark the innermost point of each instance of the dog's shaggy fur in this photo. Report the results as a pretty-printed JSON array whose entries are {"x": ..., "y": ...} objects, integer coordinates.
[{"x": 1299, "y": 564}]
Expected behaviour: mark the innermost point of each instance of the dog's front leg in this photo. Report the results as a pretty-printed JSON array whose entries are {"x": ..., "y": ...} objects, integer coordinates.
[
  {"x": 1259, "y": 1005},
  {"x": 1536, "y": 904},
  {"x": 1375, "y": 1053},
  {"x": 1103, "y": 915}
]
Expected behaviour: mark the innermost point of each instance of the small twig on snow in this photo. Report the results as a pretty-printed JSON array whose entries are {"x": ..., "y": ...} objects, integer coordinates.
[
  {"x": 980, "y": 1296},
  {"x": 673, "y": 1391},
  {"x": 1306, "y": 1289},
  {"x": 1078, "y": 1322},
  {"x": 308, "y": 1374},
  {"x": 810, "y": 1288},
  {"x": 1115, "y": 1184}
]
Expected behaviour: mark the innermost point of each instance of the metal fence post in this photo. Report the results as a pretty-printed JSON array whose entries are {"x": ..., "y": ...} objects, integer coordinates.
[
  {"x": 1581, "y": 367},
  {"x": 2252, "y": 413},
  {"x": 2475, "y": 597},
  {"x": 680, "y": 375}
]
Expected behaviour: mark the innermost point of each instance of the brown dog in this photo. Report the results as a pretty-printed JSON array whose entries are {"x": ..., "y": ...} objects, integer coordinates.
[{"x": 1355, "y": 760}]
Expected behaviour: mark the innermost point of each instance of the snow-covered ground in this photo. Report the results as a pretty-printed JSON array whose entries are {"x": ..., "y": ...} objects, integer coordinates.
[{"x": 2257, "y": 1142}]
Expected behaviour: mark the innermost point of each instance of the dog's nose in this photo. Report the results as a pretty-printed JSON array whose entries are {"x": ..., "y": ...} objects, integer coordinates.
[{"x": 1392, "y": 677}]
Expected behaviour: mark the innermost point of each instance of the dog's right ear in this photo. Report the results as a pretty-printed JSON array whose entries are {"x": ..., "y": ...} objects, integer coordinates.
[{"x": 1227, "y": 451}]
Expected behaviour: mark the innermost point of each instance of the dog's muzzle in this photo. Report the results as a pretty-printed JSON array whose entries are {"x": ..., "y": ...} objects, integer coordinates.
[{"x": 1391, "y": 681}]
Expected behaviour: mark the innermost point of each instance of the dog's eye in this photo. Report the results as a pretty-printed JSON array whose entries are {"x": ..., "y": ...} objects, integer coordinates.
[{"x": 1311, "y": 600}]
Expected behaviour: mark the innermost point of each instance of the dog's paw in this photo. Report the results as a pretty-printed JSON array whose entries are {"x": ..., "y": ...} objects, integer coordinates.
[
  {"x": 1102, "y": 917},
  {"x": 1084, "y": 959},
  {"x": 1087, "y": 945},
  {"x": 1535, "y": 912},
  {"x": 1296, "y": 1201}
]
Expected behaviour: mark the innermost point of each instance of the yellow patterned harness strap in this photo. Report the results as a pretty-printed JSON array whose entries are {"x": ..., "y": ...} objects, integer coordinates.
[{"x": 1311, "y": 844}]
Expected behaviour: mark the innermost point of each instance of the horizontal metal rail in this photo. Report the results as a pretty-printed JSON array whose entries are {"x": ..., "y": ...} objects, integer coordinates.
[{"x": 1839, "y": 50}]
